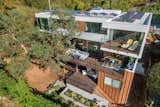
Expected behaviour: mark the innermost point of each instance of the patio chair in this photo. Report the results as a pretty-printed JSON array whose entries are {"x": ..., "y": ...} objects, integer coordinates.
[
  {"x": 134, "y": 46},
  {"x": 126, "y": 45}
]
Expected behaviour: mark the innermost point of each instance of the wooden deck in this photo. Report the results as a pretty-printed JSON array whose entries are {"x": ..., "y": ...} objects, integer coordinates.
[
  {"x": 82, "y": 82},
  {"x": 69, "y": 67},
  {"x": 94, "y": 64},
  {"x": 117, "y": 46}
]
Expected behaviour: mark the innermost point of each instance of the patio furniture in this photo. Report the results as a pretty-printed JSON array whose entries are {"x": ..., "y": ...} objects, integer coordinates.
[
  {"x": 129, "y": 43},
  {"x": 134, "y": 46},
  {"x": 112, "y": 63},
  {"x": 77, "y": 54}
]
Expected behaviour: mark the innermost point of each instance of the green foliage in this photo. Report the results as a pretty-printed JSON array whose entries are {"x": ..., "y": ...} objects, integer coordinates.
[
  {"x": 2, "y": 63},
  {"x": 154, "y": 8},
  {"x": 45, "y": 49},
  {"x": 40, "y": 4},
  {"x": 149, "y": 103},
  {"x": 124, "y": 5},
  {"x": 20, "y": 92},
  {"x": 154, "y": 80},
  {"x": 17, "y": 66},
  {"x": 49, "y": 49},
  {"x": 9, "y": 46},
  {"x": 57, "y": 87},
  {"x": 78, "y": 4}
]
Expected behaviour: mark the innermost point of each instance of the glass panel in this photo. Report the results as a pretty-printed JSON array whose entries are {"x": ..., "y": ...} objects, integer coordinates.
[
  {"x": 108, "y": 81},
  {"x": 116, "y": 84},
  {"x": 38, "y": 22},
  {"x": 44, "y": 24},
  {"x": 93, "y": 27}
]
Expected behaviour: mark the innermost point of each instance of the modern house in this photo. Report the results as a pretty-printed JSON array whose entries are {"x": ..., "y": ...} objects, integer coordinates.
[{"x": 108, "y": 53}]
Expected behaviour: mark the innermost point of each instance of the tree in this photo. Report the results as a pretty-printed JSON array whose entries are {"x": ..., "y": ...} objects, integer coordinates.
[
  {"x": 48, "y": 49},
  {"x": 149, "y": 103},
  {"x": 153, "y": 86},
  {"x": 153, "y": 7},
  {"x": 2, "y": 63},
  {"x": 39, "y": 4},
  {"x": 154, "y": 80}
]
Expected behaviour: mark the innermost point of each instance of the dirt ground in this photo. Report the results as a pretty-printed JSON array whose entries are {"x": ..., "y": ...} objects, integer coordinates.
[{"x": 40, "y": 79}]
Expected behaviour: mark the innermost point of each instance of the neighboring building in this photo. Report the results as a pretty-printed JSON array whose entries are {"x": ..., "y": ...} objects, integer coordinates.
[{"x": 115, "y": 42}]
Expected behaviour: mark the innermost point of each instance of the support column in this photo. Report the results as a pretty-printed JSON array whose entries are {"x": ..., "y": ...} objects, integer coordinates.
[{"x": 135, "y": 65}]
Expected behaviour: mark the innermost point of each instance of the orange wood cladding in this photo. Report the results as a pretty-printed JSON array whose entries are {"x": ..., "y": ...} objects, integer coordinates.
[
  {"x": 115, "y": 95},
  {"x": 82, "y": 26}
]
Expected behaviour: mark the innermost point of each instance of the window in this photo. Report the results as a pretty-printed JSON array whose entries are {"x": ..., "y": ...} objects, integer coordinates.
[
  {"x": 43, "y": 23},
  {"x": 111, "y": 82},
  {"x": 116, "y": 84},
  {"x": 93, "y": 27},
  {"x": 108, "y": 81}
]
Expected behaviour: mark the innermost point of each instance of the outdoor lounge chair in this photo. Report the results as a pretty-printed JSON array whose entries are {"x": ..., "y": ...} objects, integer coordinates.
[
  {"x": 134, "y": 46},
  {"x": 129, "y": 43}
]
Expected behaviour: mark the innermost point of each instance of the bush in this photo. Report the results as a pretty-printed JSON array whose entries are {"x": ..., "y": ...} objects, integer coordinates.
[
  {"x": 154, "y": 80},
  {"x": 20, "y": 92}
]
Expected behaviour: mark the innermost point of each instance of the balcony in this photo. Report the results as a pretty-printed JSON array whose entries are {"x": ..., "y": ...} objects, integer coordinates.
[
  {"x": 115, "y": 47},
  {"x": 127, "y": 43}
]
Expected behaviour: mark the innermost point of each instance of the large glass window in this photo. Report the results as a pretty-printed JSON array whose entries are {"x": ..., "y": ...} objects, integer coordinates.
[
  {"x": 93, "y": 27},
  {"x": 111, "y": 82},
  {"x": 43, "y": 23}
]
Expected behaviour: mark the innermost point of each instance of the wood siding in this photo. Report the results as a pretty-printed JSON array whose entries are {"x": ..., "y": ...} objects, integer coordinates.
[
  {"x": 82, "y": 26},
  {"x": 115, "y": 95}
]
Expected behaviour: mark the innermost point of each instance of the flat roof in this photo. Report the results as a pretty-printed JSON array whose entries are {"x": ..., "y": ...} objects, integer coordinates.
[
  {"x": 129, "y": 21},
  {"x": 98, "y": 16},
  {"x": 112, "y": 19}
]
